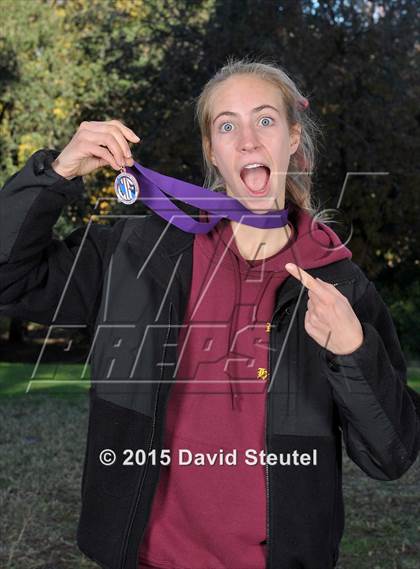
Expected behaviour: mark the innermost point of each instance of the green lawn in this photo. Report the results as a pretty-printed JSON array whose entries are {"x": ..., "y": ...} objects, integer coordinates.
[
  {"x": 56, "y": 379},
  {"x": 414, "y": 378},
  {"x": 68, "y": 379}
]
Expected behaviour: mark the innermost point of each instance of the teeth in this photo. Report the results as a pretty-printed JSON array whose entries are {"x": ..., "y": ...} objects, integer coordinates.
[{"x": 253, "y": 165}]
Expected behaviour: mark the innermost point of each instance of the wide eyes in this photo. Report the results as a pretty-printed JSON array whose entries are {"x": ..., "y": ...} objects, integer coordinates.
[{"x": 265, "y": 119}]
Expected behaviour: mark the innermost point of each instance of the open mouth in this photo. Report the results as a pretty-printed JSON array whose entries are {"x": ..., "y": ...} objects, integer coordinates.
[{"x": 256, "y": 178}]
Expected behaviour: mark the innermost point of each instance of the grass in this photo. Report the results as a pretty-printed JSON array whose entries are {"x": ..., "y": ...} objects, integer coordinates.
[
  {"x": 42, "y": 438},
  {"x": 51, "y": 379},
  {"x": 42, "y": 447},
  {"x": 414, "y": 377},
  {"x": 382, "y": 522}
]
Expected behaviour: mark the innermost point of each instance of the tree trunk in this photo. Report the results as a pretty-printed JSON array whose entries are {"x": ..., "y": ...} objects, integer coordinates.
[{"x": 17, "y": 330}]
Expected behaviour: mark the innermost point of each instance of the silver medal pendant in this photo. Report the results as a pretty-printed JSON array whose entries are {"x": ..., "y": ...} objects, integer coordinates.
[{"x": 126, "y": 187}]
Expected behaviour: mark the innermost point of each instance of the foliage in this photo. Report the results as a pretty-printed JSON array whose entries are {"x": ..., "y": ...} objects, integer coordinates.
[{"x": 145, "y": 61}]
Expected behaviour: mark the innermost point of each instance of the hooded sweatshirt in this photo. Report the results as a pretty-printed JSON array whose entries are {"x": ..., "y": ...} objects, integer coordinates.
[{"x": 214, "y": 516}]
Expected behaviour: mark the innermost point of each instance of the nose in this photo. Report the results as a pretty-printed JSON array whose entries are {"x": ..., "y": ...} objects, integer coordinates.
[{"x": 248, "y": 139}]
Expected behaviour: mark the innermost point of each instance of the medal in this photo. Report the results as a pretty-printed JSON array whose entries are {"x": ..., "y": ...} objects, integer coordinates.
[{"x": 126, "y": 187}]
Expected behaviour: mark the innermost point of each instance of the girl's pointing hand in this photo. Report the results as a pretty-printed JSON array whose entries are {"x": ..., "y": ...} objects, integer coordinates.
[{"x": 330, "y": 319}]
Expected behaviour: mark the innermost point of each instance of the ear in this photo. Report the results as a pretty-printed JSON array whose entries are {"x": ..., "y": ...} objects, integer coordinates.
[
  {"x": 209, "y": 153},
  {"x": 294, "y": 137}
]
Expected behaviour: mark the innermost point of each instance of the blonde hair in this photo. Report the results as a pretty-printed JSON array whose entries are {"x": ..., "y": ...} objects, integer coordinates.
[{"x": 302, "y": 162}]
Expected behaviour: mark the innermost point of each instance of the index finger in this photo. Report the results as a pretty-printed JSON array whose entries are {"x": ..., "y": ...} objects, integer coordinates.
[
  {"x": 305, "y": 278},
  {"x": 130, "y": 134}
]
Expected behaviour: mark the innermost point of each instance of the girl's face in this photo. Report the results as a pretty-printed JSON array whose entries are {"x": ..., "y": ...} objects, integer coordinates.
[{"x": 249, "y": 126}]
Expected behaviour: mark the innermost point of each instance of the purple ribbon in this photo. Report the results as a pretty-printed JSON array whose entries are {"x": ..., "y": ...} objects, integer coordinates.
[{"x": 155, "y": 186}]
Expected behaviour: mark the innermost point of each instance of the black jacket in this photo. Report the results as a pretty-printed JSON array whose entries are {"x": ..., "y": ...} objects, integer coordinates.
[{"x": 129, "y": 285}]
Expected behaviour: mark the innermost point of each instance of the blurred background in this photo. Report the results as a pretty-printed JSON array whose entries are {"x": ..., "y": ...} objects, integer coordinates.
[{"x": 144, "y": 63}]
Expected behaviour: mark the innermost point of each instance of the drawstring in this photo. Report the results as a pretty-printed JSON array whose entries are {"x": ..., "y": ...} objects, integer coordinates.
[{"x": 262, "y": 290}]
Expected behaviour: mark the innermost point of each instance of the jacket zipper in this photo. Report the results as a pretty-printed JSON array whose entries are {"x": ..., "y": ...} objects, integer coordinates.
[
  {"x": 286, "y": 310},
  {"x": 134, "y": 510},
  {"x": 267, "y": 480},
  {"x": 267, "y": 484},
  {"x": 348, "y": 281}
]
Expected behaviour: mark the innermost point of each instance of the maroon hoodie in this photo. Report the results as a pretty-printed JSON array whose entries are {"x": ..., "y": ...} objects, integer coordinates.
[{"x": 214, "y": 516}]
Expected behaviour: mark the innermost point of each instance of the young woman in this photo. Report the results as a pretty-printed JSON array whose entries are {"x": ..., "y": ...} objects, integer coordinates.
[{"x": 226, "y": 366}]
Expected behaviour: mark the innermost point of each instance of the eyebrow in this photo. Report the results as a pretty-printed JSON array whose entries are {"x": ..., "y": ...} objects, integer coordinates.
[{"x": 256, "y": 110}]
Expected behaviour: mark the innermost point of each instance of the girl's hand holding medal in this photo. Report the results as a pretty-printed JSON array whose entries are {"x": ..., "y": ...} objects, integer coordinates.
[{"x": 96, "y": 144}]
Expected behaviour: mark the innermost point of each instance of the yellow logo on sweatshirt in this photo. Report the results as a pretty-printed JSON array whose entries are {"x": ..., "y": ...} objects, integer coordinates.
[{"x": 262, "y": 373}]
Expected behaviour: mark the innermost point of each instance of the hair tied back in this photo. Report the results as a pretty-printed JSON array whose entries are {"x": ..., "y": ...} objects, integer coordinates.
[{"x": 303, "y": 103}]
